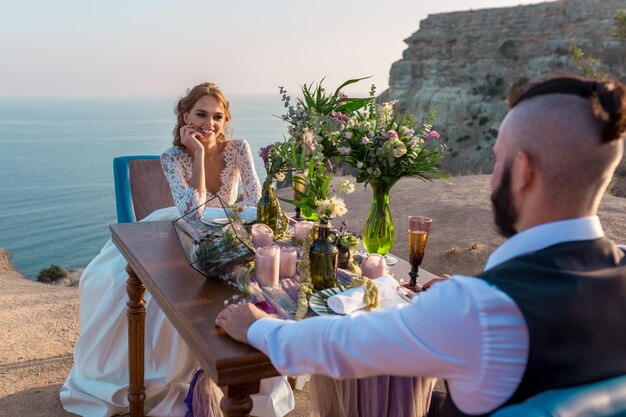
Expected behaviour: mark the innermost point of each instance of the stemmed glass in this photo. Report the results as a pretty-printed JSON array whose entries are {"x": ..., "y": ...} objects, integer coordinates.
[{"x": 419, "y": 227}]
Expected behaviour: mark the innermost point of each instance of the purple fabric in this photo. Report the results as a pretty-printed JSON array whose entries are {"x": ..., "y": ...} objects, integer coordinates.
[
  {"x": 189, "y": 397},
  {"x": 266, "y": 307}
]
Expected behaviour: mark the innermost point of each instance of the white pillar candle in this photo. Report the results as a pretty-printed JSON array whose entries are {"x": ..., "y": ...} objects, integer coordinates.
[
  {"x": 374, "y": 266},
  {"x": 288, "y": 257},
  {"x": 301, "y": 230},
  {"x": 262, "y": 235},
  {"x": 267, "y": 265}
]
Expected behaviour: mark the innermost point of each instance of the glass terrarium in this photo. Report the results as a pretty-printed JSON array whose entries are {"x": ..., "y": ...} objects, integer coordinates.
[{"x": 214, "y": 240}]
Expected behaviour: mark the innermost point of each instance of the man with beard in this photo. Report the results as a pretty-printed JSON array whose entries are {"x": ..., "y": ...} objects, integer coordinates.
[{"x": 549, "y": 308}]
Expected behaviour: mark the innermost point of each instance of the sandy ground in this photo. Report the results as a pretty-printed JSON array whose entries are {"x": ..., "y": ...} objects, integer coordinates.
[{"x": 39, "y": 323}]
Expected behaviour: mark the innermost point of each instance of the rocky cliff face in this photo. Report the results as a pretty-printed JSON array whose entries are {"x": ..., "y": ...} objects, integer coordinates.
[{"x": 462, "y": 64}]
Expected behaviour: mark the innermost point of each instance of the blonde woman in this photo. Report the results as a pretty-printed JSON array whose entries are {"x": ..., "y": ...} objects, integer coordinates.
[{"x": 203, "y": 163}]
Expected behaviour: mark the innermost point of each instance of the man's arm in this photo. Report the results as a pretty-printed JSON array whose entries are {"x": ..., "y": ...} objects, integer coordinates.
[{"x": 441, "y": 333}]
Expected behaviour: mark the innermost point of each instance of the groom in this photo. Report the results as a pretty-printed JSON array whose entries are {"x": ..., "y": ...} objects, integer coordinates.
[{"x": 546, "y": 310}]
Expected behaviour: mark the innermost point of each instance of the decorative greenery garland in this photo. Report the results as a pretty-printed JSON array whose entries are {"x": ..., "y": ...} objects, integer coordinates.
[{"x": 306, "y": 287}]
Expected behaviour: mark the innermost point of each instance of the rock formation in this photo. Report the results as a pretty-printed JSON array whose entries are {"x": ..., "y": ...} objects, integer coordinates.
[{"x": 462, "y": 63}]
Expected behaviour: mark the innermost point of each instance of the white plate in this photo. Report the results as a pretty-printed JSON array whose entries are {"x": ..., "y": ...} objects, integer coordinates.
[
  {"x": 319, "y": 305},
  {"x": 219, "y": 221}
]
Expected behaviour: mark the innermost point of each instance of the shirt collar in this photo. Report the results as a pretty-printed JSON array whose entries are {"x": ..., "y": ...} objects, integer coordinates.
[{"x": 540, "y": 237}]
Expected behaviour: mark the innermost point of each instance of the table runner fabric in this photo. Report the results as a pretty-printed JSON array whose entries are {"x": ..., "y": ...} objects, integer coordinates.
[{"x": 380, "y": 396}]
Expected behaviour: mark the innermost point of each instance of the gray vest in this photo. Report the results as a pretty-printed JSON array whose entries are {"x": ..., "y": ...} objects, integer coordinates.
[{"x": 573, "y": 299}]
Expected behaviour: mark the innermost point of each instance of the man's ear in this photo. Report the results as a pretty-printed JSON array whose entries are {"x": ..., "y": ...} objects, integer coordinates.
[{"x": 522, "y": 171}]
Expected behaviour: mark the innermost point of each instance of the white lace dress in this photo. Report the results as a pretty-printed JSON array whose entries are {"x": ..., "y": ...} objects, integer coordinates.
[{"x": 97, "y": 385}]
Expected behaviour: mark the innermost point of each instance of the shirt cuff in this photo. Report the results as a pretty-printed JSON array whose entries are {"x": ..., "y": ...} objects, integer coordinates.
[{"x": 260, "y": 329}]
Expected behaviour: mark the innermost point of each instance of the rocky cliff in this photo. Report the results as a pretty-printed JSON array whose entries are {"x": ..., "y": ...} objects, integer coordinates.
[{"x": 462, "y": 64}]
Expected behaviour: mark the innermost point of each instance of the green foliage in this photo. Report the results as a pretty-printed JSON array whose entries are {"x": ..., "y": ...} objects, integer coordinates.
[
  {"x": 508, "y": 50},
  {"x": 483, "y": 120},
  {"x": 492, "y": 87},
  {"x": 620, "y": 25},
  {"x": 584, "y": 63},
  {"x": 52, "y": 274}
]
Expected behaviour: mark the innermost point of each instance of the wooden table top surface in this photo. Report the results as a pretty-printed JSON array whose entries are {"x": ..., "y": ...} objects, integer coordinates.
[{"x": 192, "y": 302}]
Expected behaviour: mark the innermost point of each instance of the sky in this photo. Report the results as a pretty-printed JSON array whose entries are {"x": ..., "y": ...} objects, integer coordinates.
[{"x": 155, "y": 47}]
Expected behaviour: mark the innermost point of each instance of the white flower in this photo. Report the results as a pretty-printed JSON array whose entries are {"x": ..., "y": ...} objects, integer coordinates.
[
  {"x": 347, "y": 135},
  {"x": 330, "y": 208},
  {"x": 346, "y": 187},
  {"x": 309, "y": 140},
  {"x": 365, "y": 140},
  {"x": 344, "y": 150},
  {"x": 359, "y": 164}
]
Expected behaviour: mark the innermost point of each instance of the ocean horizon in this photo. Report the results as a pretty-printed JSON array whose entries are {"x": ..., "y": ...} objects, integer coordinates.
[{"x": 57, "y": 178}]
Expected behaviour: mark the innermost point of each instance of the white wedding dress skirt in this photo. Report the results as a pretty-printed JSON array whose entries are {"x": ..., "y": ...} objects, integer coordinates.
[{"x": 97, "y": 385}]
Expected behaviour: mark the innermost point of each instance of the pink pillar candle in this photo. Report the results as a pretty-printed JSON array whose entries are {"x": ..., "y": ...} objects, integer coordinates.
[
  {"x": 288, "y": 257},
  {"x": 267, "y": 265},
  {"x": 262, "y": 235},
  {"x": 301, "y": 230},
  {"x": 374, "y": 266}
]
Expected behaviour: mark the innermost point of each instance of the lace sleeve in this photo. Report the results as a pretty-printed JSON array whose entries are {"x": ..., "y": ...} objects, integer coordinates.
[
  {"x": 186, "y": 197},
  {"x": 249, "y": 179}
]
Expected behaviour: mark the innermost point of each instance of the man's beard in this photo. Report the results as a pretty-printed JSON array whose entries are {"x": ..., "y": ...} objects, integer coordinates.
[{"x": 505, "y": 215}]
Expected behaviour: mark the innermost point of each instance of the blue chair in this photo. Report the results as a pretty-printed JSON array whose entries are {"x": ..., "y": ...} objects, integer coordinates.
[
  {"x": 140, "y": 187},
  {"x": 598, "y": 399}
]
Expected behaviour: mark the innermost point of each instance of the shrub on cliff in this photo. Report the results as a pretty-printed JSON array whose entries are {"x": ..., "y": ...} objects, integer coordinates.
[{"x": 52, "y": 274}]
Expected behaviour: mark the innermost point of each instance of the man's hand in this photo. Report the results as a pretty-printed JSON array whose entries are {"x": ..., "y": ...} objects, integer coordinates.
[
  {"x": 236, "y": 319},
  {"x": 434, "y": 281}
]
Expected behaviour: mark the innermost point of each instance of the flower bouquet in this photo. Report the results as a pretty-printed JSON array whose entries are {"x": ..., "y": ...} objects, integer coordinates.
[
  {"x": 316, "y": 126},
  {"x": 385, "y": 146}
]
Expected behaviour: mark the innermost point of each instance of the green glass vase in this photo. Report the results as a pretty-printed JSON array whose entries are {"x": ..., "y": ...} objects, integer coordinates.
[
  {"x": 379, "y": 233},
  {"x": 270, "y": 212},
  {"x": 323, "y": 259}
]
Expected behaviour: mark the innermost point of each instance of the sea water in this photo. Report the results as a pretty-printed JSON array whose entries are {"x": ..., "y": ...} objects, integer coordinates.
[{"x": 56, "y": 177}]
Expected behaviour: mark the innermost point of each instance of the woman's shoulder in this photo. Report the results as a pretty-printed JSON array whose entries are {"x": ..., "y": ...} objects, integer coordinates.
[
  {"x": 175, "y": 152},
  {"x": 238, "y": 145}
]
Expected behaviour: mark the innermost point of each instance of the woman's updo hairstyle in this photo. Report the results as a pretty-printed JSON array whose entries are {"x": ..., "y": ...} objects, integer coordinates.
[
  {"x": 608, "y": 100},
  {"x": 186, "y": 103}
]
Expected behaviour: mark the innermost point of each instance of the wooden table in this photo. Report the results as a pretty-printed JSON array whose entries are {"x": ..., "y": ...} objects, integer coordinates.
[
  {"x": 191, "y": 302},
  {"x": 156, "y": 262}
]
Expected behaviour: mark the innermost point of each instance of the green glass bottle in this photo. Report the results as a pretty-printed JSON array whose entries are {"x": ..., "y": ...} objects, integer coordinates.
[{"x": 323, "y": 259}]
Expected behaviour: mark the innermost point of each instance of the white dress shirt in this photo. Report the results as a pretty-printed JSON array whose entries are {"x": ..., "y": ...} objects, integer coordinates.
[{"x": 462, "y": 329}]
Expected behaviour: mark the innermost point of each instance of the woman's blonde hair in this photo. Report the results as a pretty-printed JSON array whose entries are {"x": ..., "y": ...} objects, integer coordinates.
[{"x": 186, "y": 103}]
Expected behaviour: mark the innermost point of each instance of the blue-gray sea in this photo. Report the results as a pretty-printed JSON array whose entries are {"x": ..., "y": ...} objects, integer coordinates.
[{"x": 56, "y": 177}]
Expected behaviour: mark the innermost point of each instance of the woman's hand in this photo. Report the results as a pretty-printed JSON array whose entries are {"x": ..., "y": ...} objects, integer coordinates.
[{"x": 189, "y": 140}]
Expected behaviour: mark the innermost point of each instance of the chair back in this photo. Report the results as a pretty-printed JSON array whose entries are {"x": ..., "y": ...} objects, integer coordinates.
[
  {"x": 598, "y": 399},
  {"x": 140, "y": 187}
]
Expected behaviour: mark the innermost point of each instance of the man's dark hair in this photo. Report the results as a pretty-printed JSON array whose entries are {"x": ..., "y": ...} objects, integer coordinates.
[{"x": 608, "y": 99}]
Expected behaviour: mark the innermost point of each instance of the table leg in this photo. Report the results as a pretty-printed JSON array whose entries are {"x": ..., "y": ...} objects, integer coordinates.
[
  {"x": 136, "y": 313},
  {"x": 236, "y": 401}
]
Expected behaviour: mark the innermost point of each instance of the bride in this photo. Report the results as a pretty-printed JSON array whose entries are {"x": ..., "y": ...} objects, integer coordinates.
[{"x": 201, "y": 164}]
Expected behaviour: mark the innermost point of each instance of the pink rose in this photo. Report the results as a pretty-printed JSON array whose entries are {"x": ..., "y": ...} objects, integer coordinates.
[{"x": 432, "y": 135}]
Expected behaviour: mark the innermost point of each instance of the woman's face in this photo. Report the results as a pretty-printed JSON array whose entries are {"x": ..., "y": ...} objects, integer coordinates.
[{"x": 207, "y": 118}]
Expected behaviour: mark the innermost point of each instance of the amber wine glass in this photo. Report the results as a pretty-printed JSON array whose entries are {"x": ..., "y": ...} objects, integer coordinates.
[{"x": 419, "y": 227}]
